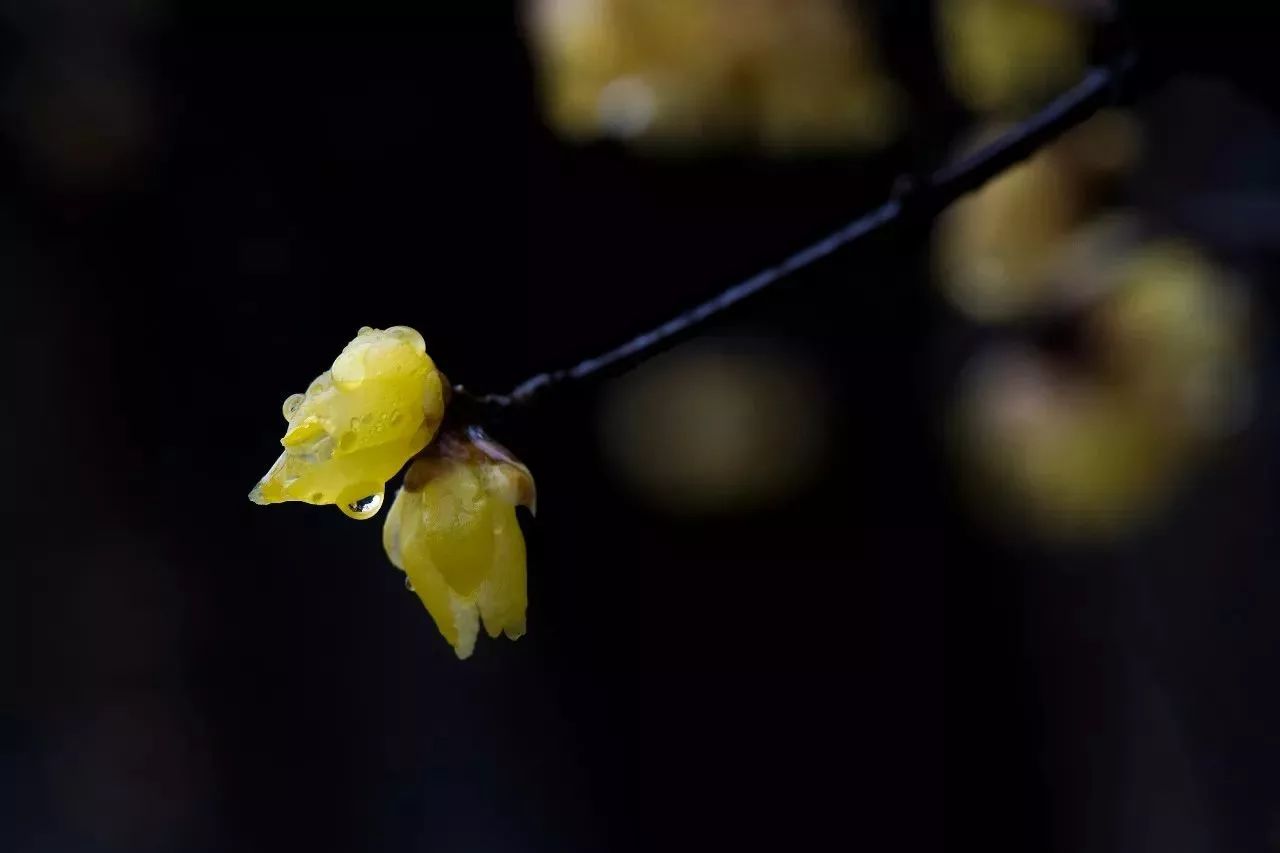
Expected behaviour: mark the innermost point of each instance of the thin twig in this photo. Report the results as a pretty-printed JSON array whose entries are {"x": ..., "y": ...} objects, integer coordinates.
[{"x": 1099, "y": 88}]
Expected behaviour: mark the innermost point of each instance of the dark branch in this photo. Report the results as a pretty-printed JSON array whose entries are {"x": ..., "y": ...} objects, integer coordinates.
[{"x": 1099, "y": 88}]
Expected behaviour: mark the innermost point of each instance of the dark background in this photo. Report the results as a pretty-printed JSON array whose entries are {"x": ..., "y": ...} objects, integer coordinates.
[{"x": 200, "y": 206}]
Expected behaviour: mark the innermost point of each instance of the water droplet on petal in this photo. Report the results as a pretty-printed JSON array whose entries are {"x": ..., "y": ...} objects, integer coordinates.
[
  {"x": 365, "y": 507},
  {"x": 409, "y": 336},
  {"x": 408, "y": 584},
  {"x": 349, "y": 370},
  {"x": 291, "y": 405}
]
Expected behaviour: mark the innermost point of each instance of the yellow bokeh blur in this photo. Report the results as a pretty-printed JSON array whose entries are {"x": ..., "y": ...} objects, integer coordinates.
[
  {"x": 1005, "y": 56},
  {"x": 778, "y": 74},
  {"x": 717, "y": 427},
  {"x": 1091, "y": 444}
]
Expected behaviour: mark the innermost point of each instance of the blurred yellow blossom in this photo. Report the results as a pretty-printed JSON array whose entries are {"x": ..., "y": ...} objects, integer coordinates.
[
  {"x": 1073, "y": 457},
  {"x": 781, "y": 73},
  {"x": 995, "y": 250},
  {"x": 720, "y": 425},
  {"x": 1175, "y": 331},
  {"x": 1146, "y": 355},
  {"x": 453, "y": 531},
  {"x": 1089, "y": 443},
  {"x": 994, "y": 247},
  {"x": 1004, "y": 56},
  {"x": 358, "y": 424}
]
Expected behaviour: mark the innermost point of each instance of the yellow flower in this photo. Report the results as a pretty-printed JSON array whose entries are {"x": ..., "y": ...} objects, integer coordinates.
[
  {"x": 1063, "y": 454},
  {"x": 994, "y": 247},
  {"x": 1175, "y": 332},
  {"x": 1000, "y": 252},
  {"x": 792, "y": 76},
  {"x": 1003, "y": 56},
  {"x": 453, "y": 531},
  {"x": 358, "y": 424}
]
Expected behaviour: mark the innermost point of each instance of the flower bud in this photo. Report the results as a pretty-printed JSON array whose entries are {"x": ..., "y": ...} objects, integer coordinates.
[{"x": 453, "y": 531}]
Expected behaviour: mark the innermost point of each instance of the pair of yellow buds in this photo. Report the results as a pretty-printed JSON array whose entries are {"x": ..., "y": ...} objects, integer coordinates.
[{"x": 452, "y": 528}]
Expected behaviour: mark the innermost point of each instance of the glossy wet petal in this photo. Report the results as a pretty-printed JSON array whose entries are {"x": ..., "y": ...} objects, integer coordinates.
[
  {"x": 504, "y": 596},
  {"x": 358, "y": 423}
]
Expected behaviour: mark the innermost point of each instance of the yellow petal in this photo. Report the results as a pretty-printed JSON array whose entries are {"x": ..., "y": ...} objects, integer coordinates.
[
  {"x": 408, "y": 545},
  {"x": 336, "y": 479},
  {"x": 457, "y": 521},
  {"x": 454, "y": 615},
  {"x": 393, "y": 531},
  {"x": 504, "y": 597}
]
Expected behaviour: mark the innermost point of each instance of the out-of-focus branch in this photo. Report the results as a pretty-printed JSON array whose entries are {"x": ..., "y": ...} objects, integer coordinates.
[{"x": 911, "y": 199}]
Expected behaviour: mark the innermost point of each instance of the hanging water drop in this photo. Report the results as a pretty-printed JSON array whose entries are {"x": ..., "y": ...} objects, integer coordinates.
[
  {"x": 364, "y": 508},
  {"x": 408, "y": 583}
]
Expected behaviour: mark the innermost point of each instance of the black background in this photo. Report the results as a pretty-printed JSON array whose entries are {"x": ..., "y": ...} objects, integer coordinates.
[{"x": 863, "y": 666}]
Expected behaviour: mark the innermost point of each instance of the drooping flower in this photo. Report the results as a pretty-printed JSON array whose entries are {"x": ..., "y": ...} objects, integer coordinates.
[
  {"x": 358, "y": 424},
  {"x": 453, "y": 531}
]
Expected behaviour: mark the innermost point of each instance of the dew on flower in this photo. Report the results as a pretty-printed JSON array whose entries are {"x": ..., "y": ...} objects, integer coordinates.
[
  {"x": 338, "y": 447},
  {"x": 366, "y": 507}
]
